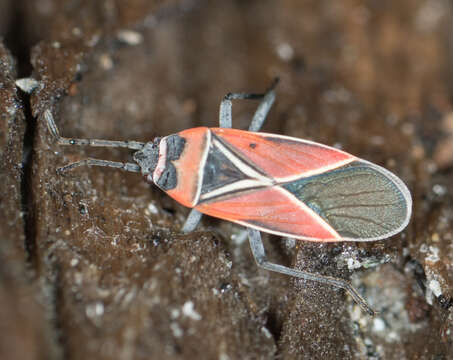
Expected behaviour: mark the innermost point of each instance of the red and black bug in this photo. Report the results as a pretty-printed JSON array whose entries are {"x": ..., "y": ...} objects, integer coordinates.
[{"x": 266, "y": 182}]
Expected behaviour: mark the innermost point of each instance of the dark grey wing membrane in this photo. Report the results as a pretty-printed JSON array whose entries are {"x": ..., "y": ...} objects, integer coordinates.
[
  {"x": 361, "y": 201},
  {"x": 219, "y": 171}
]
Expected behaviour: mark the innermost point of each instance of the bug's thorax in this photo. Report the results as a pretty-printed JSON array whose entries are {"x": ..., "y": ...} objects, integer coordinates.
[{"x": 174, "y": 163}]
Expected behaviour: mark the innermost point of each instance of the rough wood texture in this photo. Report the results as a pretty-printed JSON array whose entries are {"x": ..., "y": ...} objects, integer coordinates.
[{"x": 92, "y": 264}]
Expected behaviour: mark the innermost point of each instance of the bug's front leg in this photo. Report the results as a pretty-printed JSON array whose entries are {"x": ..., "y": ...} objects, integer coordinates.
[{"x": 256, "y": 244}]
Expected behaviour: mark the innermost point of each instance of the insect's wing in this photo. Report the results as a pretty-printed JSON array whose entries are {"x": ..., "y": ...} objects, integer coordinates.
[
  {"x": 281, "y": 157},
  {"x": 360, "y": 201},
  {"x": 315, "y": 193}
]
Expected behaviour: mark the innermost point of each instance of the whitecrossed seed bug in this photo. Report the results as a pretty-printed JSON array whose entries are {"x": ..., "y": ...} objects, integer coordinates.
[{"x": 266, "y": 182}]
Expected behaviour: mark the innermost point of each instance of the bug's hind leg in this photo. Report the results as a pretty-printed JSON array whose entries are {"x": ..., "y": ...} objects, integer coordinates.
[{"x": 259, "y": 254}]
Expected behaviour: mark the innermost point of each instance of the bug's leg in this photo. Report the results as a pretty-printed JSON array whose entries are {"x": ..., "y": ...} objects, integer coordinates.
[
  {"x": 192, "y": 221},
  {"x": 259, "y": 254},
  {"x": 263, "y": 109},
  {"x": 225, "y": 121},
  {"x": 98, "y": 162},
  {"x": 134, "y": 145},
  {"x": 225, "y": 117},
  {"x": 267, "y": 99}
]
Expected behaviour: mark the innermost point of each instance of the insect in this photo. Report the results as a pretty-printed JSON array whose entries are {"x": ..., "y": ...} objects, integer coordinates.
[{"x": 266, "y": 182}]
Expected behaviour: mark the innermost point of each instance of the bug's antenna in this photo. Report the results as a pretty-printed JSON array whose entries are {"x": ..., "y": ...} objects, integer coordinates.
[
  {"x": 99, "y": 162},
  {"x": 134, "y": 145}
]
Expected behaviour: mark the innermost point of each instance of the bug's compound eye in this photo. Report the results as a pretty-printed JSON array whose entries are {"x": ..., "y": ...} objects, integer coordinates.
[
  {"x": 168, "y": 179},
  {"x": 175, "y": 146}
]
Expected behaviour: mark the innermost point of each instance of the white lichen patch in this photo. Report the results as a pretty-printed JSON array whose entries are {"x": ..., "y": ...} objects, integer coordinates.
[
  {"x": 27, "y": 85},
  {"x": 174, "y": 313},
  {"x": 430, "y": 14},
  {"x": 353, "y": 260},
  {"x": 353, "y": 264},
  {"x": 152, "y": 209},
  {"x": 378, "y": 324},
  {"x": 11, "y": 110},
  {"x": 94, "y": 310},
  {"x": 74, "y": 262},
  {"x": 433, "y": 255},
  {"x": 439, "y": 190},
  {"x": 130, "y": 37},
  {"x": 435, "y": 287},
  {"x": 266, "y": 332},
  {"x": 285, "y": 51},
  {"x": 423, "y": 248},
  {"x": 106, "y": 62},
  {"x": 176, "y": 330},
  {"x": 189, "y": 311}
]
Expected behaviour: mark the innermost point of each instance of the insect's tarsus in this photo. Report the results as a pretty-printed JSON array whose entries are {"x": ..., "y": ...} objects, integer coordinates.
[{"x": 252, "y": 96}]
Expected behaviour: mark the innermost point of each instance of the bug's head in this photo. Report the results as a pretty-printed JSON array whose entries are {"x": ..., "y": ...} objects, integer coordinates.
[
  {"x": 148, "y": 157},
  {"x": 155, "y": 160}
]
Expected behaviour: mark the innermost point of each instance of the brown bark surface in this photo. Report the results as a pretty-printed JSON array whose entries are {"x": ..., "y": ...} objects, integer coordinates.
[{"x": 92, "y": 262}]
